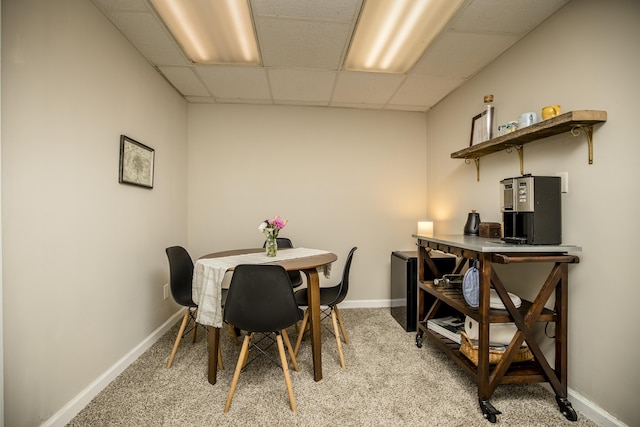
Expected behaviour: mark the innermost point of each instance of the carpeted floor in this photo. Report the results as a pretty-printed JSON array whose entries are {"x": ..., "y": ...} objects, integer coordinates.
[{"x": 388, "y": 382}]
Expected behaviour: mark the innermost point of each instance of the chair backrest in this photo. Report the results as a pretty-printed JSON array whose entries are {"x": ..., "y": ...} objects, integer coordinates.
[
  {"x": 180, "y": 275},
  {"x": 285, "y": 243},
  {"x": 260, "y": 299},
  {"x": 344, "y": 284},
  {"x": 281, "y": 242}
]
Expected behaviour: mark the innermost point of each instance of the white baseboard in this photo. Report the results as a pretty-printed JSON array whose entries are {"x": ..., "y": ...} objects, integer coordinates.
[
  {"x": 369, "y": 303},
  {"x": 593, "y": 411},
  {"x": 398, "y": 302},
  {"x": 589, "y": 409},
  {"x": 82, "y": 399}
]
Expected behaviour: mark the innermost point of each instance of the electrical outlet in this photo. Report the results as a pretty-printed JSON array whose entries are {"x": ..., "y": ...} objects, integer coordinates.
[
  {"x": 564, "y": 181},
  {"x": 165, "y": 290}
]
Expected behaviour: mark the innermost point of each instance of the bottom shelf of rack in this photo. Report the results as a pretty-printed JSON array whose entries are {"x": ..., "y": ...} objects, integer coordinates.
[{"x": 518, "y": 373}]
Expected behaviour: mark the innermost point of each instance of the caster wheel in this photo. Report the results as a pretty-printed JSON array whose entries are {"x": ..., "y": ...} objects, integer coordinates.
[
  {"x": 491, "y": 418},
  {"x": 566, "y": 409},
  {"x": 419, "y": 341},
  {"x": 488, "y": 411}
]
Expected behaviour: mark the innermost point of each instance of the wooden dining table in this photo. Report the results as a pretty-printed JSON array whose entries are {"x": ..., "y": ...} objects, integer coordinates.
[{"x": 309, "y": 265}]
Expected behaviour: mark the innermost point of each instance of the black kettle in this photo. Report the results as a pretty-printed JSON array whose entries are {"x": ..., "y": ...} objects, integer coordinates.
[{"x": 472, "y": 226}]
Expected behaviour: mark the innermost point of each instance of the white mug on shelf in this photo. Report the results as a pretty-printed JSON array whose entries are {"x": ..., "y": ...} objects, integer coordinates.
[{"x": 527, "y": 119}]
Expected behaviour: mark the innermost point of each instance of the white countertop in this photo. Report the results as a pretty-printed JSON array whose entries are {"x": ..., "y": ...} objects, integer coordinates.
[{"x": 493, "y": 244}]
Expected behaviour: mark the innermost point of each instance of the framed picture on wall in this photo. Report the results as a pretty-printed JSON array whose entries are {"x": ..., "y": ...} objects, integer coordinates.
[
  {"x": 136, "y": 163},
  {"x": 481, "y": 127}
]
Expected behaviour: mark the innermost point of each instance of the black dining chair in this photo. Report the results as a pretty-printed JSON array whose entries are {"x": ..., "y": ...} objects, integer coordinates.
[
  {"x": 294, "y": 276},
  {"x": 330, "y": 297},
  {"x": 180, "y": 282},
  {"x": 260, "y": 300}
]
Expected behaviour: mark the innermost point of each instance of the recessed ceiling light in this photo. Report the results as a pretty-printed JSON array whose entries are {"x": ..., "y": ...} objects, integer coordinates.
[
  {"x": 392, "y": 35},
  {"x": 212, "y": 31}
]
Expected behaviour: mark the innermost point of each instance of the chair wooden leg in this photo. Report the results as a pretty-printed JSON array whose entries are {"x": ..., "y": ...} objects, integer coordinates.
[
  {"x": 344, "y": 332},
  {"x": 183, "y": 326},
  {"x": 337, "y": 334},
  {"x": 195, "y": 327},
  {"x": 220, "y": 365},
  {"x": 246, "y": 356},
  {"x": 241, "y": 360},
  {"x": 294, "y": 362},
  {"x": 233, "y": 333},
  {"x": 305, "y": 319},
  {"x": 285, "y": 368}
]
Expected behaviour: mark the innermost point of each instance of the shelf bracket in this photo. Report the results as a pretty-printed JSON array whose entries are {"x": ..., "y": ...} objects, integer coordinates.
[
  {"x": 476, "y": 160},
  {"x": 588, "y": 131},
  {"x": 520, "y": 149}
]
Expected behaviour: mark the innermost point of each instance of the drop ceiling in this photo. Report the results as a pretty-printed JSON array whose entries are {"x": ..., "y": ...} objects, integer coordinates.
[{"x": 303, "y": 44}]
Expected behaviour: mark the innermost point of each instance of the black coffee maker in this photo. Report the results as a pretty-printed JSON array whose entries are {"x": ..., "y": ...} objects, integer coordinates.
[{"x": 531, "y": 210}]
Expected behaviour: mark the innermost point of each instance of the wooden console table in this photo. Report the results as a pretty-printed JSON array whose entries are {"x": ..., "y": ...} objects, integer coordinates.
[{"x": 433, "y": 299}]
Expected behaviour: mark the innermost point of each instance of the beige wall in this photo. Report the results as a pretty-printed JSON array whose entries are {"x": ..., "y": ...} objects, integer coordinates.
[
  {"x": 1, "y": 293},
  {"x": 584, "y": 57},
  {"x": 83, "y": 256},
  {"x": 83, "y": 260},
  {"x": 342, "y": 177}
]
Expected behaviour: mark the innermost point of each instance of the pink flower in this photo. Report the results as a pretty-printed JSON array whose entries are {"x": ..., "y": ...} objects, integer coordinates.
[
  {"x": 279, "y": 223},
  {"x": 276, "y": 223}
]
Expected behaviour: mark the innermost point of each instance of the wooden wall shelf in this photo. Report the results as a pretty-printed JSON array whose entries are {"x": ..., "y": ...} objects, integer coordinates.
[{"x": 573, "y": 122}]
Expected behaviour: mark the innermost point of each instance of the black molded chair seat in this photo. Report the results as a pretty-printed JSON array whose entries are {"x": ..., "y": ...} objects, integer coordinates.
[
  {"x": 329, "y": 297},
  {"x": 180, "y": 280},
  {"x": 260, "y": 299}
]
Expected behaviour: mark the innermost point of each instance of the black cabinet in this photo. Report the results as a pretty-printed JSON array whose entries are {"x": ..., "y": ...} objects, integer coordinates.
[{"x": 404, "y": 279}]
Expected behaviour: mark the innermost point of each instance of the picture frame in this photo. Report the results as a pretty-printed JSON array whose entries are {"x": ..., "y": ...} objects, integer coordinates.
[
  {"x": 136, "y": 163},
  {"x": 481, "y": 126}
]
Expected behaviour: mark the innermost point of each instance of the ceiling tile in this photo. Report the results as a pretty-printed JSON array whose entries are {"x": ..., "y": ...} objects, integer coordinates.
[
  {"x": 302, "y": 103},
  {"x": 147, "y": 34},
  {"x": 302, "y": 85},
  {"x": 359, "y": 88},
  {"x": 322, "y": 10},
  {"x": 358, "y": 105},
  {"x": 200, "y": 99},
  {"x": 302, "y": 44},
  {"x": 183, "y": 79},
  {"x": 237, "y": 83},
  {"x": 243, "y": 101},
  {"x": 425, "y": 91},
  {"x": 398, "y": 107},
  {"x": 123, "y": 5},
  {"x": 462, "y": 54},
  {"x": 505, "y": 16}
]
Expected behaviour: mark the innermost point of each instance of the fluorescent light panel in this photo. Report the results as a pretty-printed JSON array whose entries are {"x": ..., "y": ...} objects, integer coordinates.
[
  {"x": 392, "y": 35},
  {"x": 212, "y": 31}
]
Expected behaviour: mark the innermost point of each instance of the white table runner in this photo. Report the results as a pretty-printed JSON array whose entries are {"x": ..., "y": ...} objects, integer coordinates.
[{"x": 208, "y": 274}]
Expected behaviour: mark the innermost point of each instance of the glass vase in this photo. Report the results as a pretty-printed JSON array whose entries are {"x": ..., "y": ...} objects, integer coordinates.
[{"x": 271, "y": 244}]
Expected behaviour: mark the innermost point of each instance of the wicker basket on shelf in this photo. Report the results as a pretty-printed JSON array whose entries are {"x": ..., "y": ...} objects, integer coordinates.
[{"x": 471, "y": 352}]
